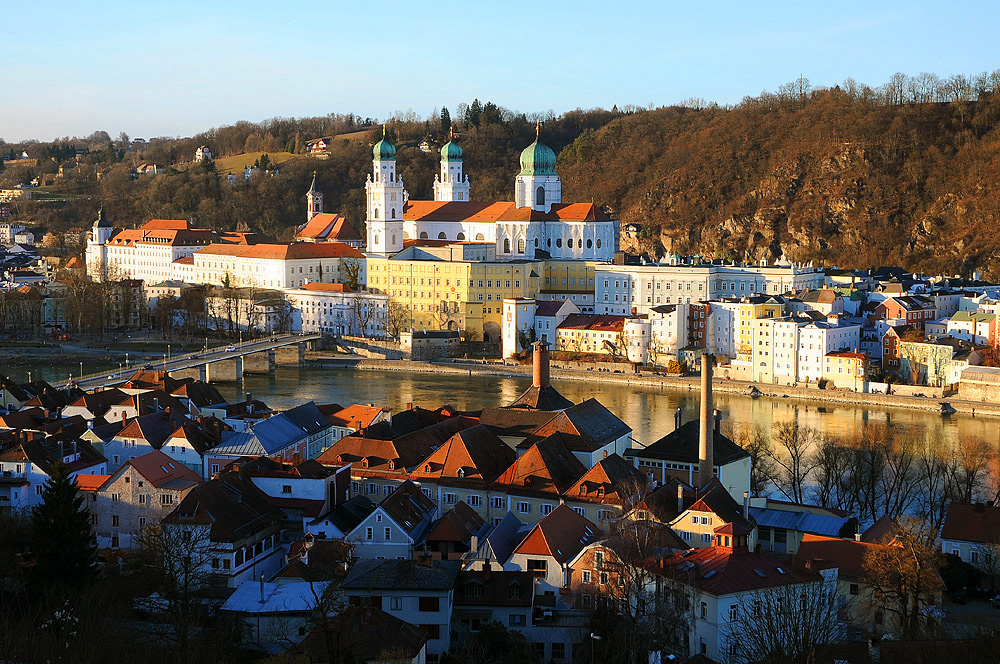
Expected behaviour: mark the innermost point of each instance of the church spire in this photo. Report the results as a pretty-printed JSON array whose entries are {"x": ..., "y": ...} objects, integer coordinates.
[{"x": 314, "y": 200}]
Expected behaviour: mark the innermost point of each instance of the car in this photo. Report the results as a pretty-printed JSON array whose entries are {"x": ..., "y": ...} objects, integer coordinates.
[
  {"x": 995, "y": 602},
  {"x": 230, "y": 348}
]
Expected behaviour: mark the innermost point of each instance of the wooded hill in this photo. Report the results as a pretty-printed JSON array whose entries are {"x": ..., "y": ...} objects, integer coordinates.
[{"x": 854, "y": 176}]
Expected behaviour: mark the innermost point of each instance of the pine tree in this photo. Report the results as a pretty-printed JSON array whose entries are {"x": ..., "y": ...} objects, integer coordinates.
[
  {"x": 62, "y": 541},
  {"x": 445, "y": 120}
]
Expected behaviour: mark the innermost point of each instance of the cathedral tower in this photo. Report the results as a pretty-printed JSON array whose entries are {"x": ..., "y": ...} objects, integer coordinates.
[
  {"x": 537, "y": 185},
  {"x": 386, "y": 200},
  {"x": 450, "y": 184}
]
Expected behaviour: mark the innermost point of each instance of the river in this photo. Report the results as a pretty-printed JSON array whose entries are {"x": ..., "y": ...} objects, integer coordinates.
[{"x": 648, "y": 410}]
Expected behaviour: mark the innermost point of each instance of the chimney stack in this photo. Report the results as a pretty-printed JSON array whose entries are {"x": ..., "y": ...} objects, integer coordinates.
[
  {"x": 680, "y": 497},
  {"x": 540, "y": 365},
  {"x": 706, "y": 438}
]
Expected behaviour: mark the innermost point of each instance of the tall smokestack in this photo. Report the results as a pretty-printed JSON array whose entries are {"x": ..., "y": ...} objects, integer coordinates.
[
  {"x": 706, "y": 438},
  {"x": 540, "y": 365}
]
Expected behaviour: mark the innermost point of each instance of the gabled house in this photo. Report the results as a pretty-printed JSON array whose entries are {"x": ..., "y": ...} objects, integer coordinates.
[
  {"x": 27, "y": 466},
  {"x": 590, "y": 430},
  {"x": 234, "y": 526},
  {"x": 484, "y": 597},
  {"x": 418, "y": 592},
  {"x": 341, "y": 520},
  {"x": 142, "y": 435},
  {"x": 397, "y": 527},
  {"x": 274, "y": 616},
  {"x": 972, "y": 532},
  {"x": 712, "y": 509},
  {"x": 451, "y": 536},
  {"x": 613, "y": 482},
  {"x": 191, "y": 442},
  {"x": 550, "y": 546},
  {"x": 495, "y": 548},
  {"x": 94, "y": 406},
  {"x": 140, "y": 493},
  {"x": 536, "y": 481},
  {"x": 301, "y": 432}
]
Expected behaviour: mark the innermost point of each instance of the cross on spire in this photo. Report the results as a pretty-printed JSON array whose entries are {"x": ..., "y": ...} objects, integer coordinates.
[{"x": 538, "y": 127}]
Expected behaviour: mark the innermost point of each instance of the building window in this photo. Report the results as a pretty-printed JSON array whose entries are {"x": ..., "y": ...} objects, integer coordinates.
[
  {"x": 499, "y": 503},
  {"x": 518, "y": 620},
  {"x": 286, "y": 488},
  {"x": 734, "y": 612},
  {"x": 114, "y": 520},
  {"x": 558, "y": 651},
  {"x": 369, "y": 533},
  {"x": 545, "y": 509},
  {"x": 450, "y": 499},
  {"x": 388, "y": 534},
  {"x": 586, "y": 576},
  {"x": 475, "y": 501},
  {"x": 704, "y": 610},
  {"x": 395, "y": 603},
  {"x": 429, "y": 604}
]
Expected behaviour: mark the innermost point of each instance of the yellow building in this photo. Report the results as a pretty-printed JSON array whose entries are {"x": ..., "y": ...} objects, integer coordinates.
[
  {"x": 746, "y": 310},
  {"x": 846, "y": 370},
  {"x": 461, "y": 286}
]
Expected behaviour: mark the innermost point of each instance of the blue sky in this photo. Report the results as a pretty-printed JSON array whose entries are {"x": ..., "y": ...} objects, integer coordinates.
[{"x": 176, "y": 68}]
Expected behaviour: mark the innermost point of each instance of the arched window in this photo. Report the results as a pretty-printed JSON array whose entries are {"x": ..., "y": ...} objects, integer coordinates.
[
  {"x": 376, "y": 239},
  {"x": 520, "y": 246},
  {"x": 548, "y": 243},
  {"x": 376, "y": 213},
  {"x": 598, "y": 244},
  {"x": 569, "y": 243},
  {"x": 394, "y": 239},
  {"x": 506, "y": 246},
  {"x": 536, "y": 243},
  {"x": 559, "y": 242},
  {"x": 590, "y": 243},
  {"x": 442, "y": 236},
  {"x": 423, "y": 235},
  {"x": 480, "y": 237},
  {"x": 460, "y": 237},
  {"x": 393, "y": 213},
  {"x": 540, "y": 196},
  {"x": 406, "y": 236}
]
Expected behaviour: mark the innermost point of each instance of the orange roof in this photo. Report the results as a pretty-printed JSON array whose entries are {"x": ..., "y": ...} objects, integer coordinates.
[
  {"x": 357, "y": 416},
  {"x": 158, "y": 468},
  {"x": 166, "y": 225},
  {"x": 594, "y": 322},
  {"x": 224, "y": 249},
  {"x": 328, "y": 288},
  {"x": 856, "y": 356},
  {"x": 91, "y": 482},
  {"x": 185, "y": 260},
  {"x": 286, "y": 252},
  {"x": 500, "y": 211},
  {"x": 74, "y": 263},
  {"x": 328, "y": 226}
]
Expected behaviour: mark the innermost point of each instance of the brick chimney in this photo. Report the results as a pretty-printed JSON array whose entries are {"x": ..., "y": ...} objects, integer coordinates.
[
  {"x": 706, "y": 437},
  {"x": 540, "y": 365}
]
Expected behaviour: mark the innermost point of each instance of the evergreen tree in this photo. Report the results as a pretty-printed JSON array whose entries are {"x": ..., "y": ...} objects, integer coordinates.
[
  {"x": 445, "y": 120},
  {"x": 61, "y": 538}
]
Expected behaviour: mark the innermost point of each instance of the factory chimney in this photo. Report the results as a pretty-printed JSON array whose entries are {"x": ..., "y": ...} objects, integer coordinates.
[
  {"x": 706, "y": 437},
  {"x": 540, "y": 365}
]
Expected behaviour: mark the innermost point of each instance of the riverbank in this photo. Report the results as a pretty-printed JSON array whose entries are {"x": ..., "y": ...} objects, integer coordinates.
[{"x": 688, "y": 384}]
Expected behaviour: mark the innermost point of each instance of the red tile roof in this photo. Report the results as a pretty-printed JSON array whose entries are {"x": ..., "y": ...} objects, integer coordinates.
[
  {"x": 158, "y": 468},
  {"x": 90, "y": 482},
  {"x": 285, "y": 252},
  {"x": 562, "y": 534},
  {"x": 972, "y": 523},
  {"x": 720, "y": 571},
  {"x": 593, "y": 322}
]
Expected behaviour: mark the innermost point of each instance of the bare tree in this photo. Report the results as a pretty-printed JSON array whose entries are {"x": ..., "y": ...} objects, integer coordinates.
[
  {"x": 755, "y": 442},
  {"x": 396, "y": 318},
  {"x": 363, "y": 312},
  {"x": 903, "y": 575},
  {"x": 350, "y": 273},
  {"x": 786, "y": 623},
  {"x": 793, "y": 458}
]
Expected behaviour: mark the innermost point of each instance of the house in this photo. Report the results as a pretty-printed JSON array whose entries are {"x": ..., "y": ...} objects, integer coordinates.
[
  {"x": 301, "y": 432},
  {"x": 549, "y": 547},
  {"x": 141, "y": 492},
  {"x": 191, "y": 442},
  {"x": 972, "y": 532},
  {"x": 590, "y": 431},
  {"x": 329, "y": 227},
  {"x": 487, "y": 596},
  {"x": 725, "y": 584},
  {"x": 676, "y": 456},
  {"x": 27, "y": 466},
  {"x": 846, "y": 370},
  {"x": 275, "y": 616},
  {"x": 141, "y": 435},
  {"x": 358, "y": 417},
  {"x": 367, "y": 635},
  {"x": 549, "y": 314},
  {"x": 452, "y": 536},
  {"x": 913, "y": 310},
  {"x": 420, "y": 593},
  {"x": 781, "y": 525},
  {"x": 712, "y": 509},
  {"x": 495, "y": 548},
  {"x": 397, "y": 527},
  {"x": 234, "y": 528},
  {"x": 203, "y": 153}
]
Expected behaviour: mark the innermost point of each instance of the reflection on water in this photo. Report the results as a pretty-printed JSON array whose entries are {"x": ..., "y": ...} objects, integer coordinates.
[{"x": 648, "y": 410}]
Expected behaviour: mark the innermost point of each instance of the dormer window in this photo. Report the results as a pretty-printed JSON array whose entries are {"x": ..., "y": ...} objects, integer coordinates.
[
  {"x": 427, "y": 467},
  {"x": 461, "y": 472},
  {"x": 364, "y": 462},
  {"x": 392, "y": 465}
]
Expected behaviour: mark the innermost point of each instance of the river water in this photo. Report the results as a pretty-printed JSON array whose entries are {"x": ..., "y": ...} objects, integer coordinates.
[{"x": 648, "y": 410}]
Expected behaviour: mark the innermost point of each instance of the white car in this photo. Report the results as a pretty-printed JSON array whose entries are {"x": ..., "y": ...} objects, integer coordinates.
[{"x": 230, "y": 348}]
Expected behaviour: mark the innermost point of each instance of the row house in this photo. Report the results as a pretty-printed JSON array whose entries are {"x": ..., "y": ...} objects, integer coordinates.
[
  {"x": 231, "y": 529},
  {"x": 141, "y": 492},
  {"x": 27, "y": 466},
  {"x": 302, "y": 432},
  {"x": 396, "y": 527},
  {"x": 974, "y": 326},
  {"x": 141, "y": 435},
  {"x": 913, "y": 310}
]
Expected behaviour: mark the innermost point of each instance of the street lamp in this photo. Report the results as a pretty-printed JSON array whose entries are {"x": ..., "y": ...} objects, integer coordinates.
[
  {"x": 593, "y": 637},
  {"x": 168, "y": 351},
  {"x": 81, "y": 369}
]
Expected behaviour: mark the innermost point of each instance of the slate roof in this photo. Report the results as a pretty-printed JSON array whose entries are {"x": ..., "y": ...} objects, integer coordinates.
[
  {"x": 370, "y": 575},
  {"x": 589, "y": 426},
  {"x": 681, "y": 445},
  {"x": 500, "y": 541},
  {"x": 159, "y": 469},
  {"x": 473, "y": 453},
  {"x": 408, "y": 507},
  {"x": 545, "y": 398},
  {"x": 804, "y": 521},
  {"x": 44, "y": 453},
  {"x": 607, "y": 479},
  {"x": 349, "y": 514},
  {"x": 231, "y": 506}
]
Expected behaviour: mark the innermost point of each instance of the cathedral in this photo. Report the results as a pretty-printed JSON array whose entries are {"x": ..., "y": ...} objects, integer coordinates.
[{"x": 536, "y": 225}]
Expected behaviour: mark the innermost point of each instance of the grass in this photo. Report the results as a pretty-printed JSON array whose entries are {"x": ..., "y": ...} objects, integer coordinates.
[{"x": 237, "y": 163}]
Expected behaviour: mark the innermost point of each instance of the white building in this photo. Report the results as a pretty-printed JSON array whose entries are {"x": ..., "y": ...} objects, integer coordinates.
[
  {"x": 145, "y": 253},
  {"x": 335, "y": 309},
  {"x": 819, "y": 338},
  {"x": 517, "y": 325},
  {"x": 26, "y": 468},
  {"x": 8, "y": 230},
  {"x": 203, "y": 154},
  {"x": 536, "y": 221},
  {"x": 275, "y": 265},
  {"x": 624, "y": 289},
  {"x": 668, "y": 330}
]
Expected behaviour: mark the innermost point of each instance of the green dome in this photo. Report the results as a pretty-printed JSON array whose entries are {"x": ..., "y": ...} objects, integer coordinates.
[
  {"x": 384, "y": 150},
  {"x": 538, "y": 159},
  {"x": 451, "y": 152}
]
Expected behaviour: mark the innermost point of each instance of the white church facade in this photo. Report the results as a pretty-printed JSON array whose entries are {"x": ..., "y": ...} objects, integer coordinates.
[{"x": 537, "y": 224}]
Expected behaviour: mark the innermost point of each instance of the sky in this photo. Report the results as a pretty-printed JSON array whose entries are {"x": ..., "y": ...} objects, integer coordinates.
[{"x": 177, "y": 68}]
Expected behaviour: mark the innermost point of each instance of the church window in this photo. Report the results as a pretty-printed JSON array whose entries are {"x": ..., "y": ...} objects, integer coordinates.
[
  {"x": 520, "y": 246},
  {"x": 506, "y": 246},
  {"x": 394, "y": 239},
  {"x": 376, "y": 213},
  {"x": 423, "y": 235},
  {"x": 376, "y": 238},
  {"x": 569, "y": 243},
  {"x": 559, "y": 242},
  {"x": 479, "y": 237},
  {"x": 536, "y": 243},
  {"x": 548, "y": 243},
  {"x": 442, "y": 236},
  {"x": 590, "y": 243},
  {"x": 540, "y": 196},
  {"x": 460, "y": 237},
  {"x": 393, "y": 213},
  {"x": 598, "y": 244}
]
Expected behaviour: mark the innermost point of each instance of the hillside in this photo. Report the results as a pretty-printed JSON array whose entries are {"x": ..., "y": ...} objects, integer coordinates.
[{"x": 850, "y": 176}]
